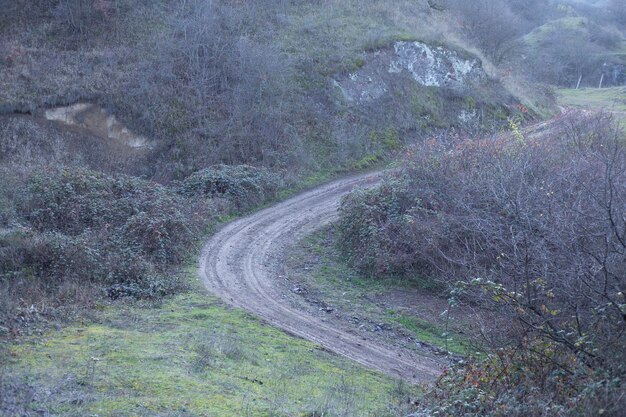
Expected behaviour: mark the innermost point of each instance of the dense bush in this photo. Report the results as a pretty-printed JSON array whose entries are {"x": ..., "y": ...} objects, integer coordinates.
[
  {"x": 532, "y": 227},
  {"x": 119, "y": 233},
  {"x": 523, "y": 383},
  {"x": 246, "y": 186}
]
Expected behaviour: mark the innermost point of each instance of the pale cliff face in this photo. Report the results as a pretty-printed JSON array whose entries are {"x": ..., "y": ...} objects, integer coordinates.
[
  {"x": 434, "y": 66},
  {"x": 97, "y": 121},
  {"x": 426, "y": 65}
]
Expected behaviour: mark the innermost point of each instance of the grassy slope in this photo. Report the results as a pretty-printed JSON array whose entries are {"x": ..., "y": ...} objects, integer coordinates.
[
  {"x": 609, "y": 99},
  {"x": 191, "y": 356},
  {"x": 594, "y": 98},
  {"x": 539, "y": 34}
]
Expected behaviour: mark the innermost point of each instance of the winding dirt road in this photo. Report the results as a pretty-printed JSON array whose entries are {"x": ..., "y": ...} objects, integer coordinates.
[{"x": 241, "y": 265}]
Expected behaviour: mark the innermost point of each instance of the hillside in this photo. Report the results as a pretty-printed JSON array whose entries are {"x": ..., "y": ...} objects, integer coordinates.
[
  {"x": 261, "y": 92},
  {"x": 592, "y": 53},
  {"x": 124, "y": 114},
  {"x": 562, "y": 43},
  {"x": 129, "y": 130},
  {"x": 170, "y": 177}
]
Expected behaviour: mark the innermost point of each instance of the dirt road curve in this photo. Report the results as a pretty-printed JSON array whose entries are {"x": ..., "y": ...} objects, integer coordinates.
[{"x": 241, "y": 265}]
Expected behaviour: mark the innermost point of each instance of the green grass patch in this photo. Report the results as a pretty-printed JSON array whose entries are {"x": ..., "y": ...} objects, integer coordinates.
[
  {"x": 541, "y": 33},
  {"x": 613, "y": 98},
  {"x": 433, "y": 335},
  {"x": 190, "y": 356},
  {"x": 333, "y": 269},
  {"x": 334, "y": 36},
  {"x": 609, "y": 99}
]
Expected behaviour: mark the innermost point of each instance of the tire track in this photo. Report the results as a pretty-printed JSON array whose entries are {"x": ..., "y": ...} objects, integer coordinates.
[{"x": 240, "y": 264}]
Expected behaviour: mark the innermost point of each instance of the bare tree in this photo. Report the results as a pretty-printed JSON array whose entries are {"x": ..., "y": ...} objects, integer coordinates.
[{"x": 490, "y": 24}]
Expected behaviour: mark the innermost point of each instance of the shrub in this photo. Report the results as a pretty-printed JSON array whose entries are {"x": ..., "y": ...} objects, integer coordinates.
[
  {"x": 71, "y": 201},
  {"x": 522, "y": 383},
  {"x": 533, "y": 228},
  {"x": 245, "y": 185},
  {"x": 371, "y": 229},
  {"x": 120, "y": 233},
  {"x": 83, "y": 16}
]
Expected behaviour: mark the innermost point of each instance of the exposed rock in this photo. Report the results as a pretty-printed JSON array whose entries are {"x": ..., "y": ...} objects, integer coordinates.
[
  {"x": 382, "y": 327},
  {"x": 361, "y": 87},
  {"x": 467, "y": 116},
  {"x": 426, "y": 65},
  {"x": 298, "y": 290},
  {"x": 97, "y": 122},
  {"x": 436, "y": 66}
]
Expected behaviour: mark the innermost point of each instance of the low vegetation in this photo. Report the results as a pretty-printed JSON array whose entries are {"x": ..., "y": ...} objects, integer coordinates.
[
  {"x": 532, "y": 228},
  {"x": 187, "y": 356},
  {"x": 407, "y": 311},
  {"x": 70, "y": 236},
  {"x": 246, "y": 186}
]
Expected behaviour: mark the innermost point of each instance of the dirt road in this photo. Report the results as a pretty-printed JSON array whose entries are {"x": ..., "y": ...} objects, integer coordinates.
[{"x": 241, "y": 265}]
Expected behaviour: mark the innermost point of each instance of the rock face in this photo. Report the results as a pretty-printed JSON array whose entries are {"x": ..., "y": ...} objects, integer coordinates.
[
  {"x": 426, "y": 65},
  {"x": 98, "y": 122},
  {"x": 436, "y": 66}
]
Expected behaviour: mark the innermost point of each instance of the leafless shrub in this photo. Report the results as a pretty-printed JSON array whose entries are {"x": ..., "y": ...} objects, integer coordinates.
[
  {"x": 542, "y": 220},
  {"x": 531, "y": 228},
  {"x": 82, "y": 17}
]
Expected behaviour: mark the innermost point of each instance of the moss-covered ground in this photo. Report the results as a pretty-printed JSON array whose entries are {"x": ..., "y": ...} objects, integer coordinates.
[{"x": 188, "y": 356}]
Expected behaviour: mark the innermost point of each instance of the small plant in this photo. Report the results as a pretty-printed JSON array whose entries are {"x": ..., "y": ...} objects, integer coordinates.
[{"x": 211, "y": 349}]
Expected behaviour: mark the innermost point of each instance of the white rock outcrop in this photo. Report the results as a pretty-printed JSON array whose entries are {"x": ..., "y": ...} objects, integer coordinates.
[{"x": 432, "y": 66}]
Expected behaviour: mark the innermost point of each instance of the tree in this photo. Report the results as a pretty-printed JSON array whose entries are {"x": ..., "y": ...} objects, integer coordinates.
[
  {"x": 236, "y": 85},
  {"x": 491, "y": 25},
  {"x": 618, "y": 11}
]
